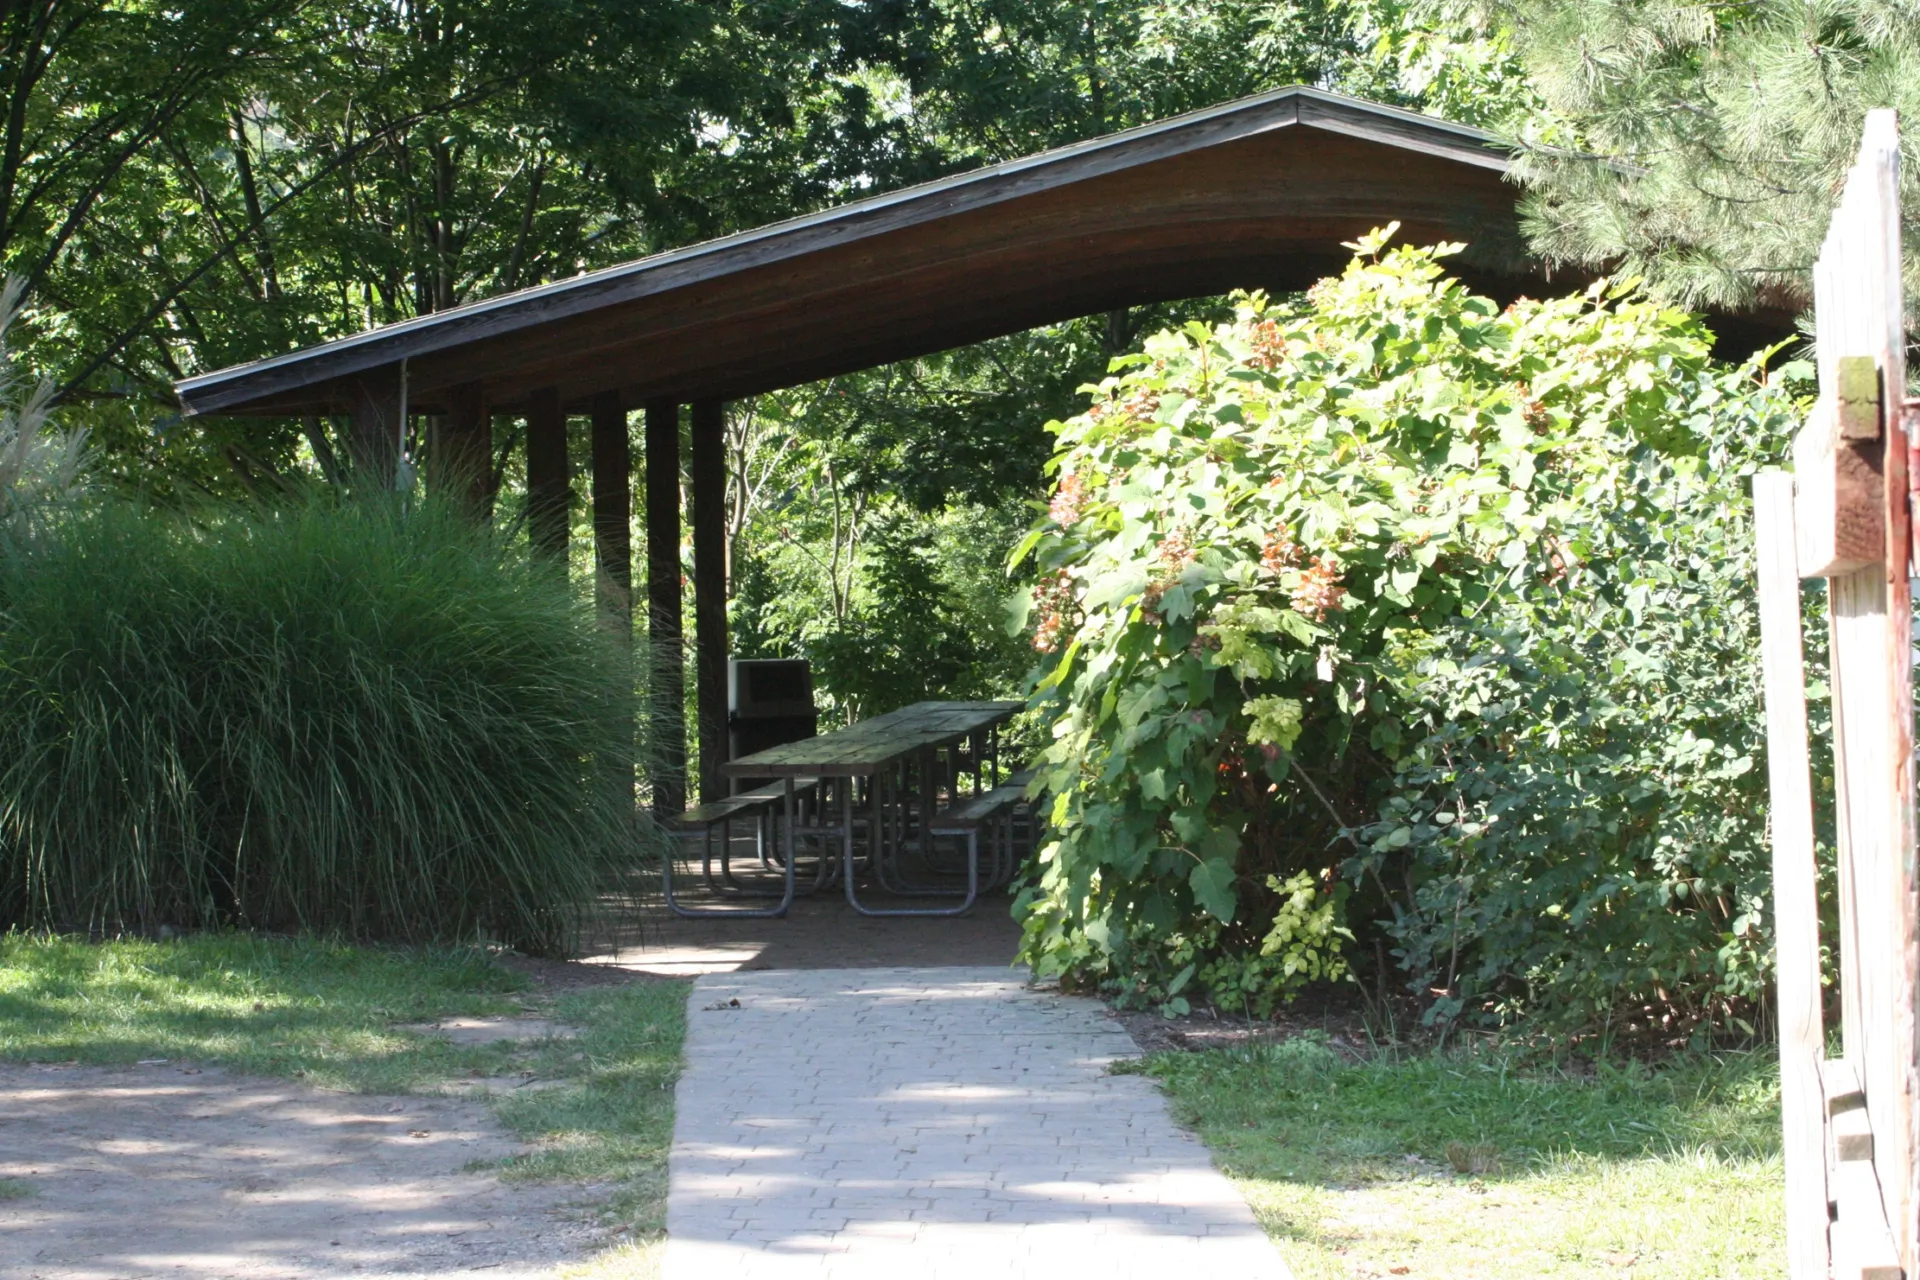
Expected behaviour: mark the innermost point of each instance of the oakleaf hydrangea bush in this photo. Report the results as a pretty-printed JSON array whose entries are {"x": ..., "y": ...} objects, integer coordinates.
[{"x": 1394, "y": 614}]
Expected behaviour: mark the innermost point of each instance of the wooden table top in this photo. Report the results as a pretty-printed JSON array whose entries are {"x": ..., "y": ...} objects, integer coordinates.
[{"x": 871, "y": 745}]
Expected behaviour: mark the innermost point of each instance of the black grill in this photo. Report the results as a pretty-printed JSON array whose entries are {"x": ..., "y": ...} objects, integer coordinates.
[{"x": 769, "y": 701}]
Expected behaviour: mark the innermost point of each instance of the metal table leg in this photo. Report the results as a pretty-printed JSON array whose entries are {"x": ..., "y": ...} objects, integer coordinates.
[
  {"x": 744, "y": 913},
  {"x": 853, "y": 899}
]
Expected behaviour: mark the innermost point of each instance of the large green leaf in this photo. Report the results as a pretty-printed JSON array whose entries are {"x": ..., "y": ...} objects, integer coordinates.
[{"x": 1212, "y": 883}]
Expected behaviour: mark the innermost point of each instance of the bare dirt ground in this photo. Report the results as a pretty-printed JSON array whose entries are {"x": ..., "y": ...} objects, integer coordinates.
[
  {"x": 1338, "y": 1016},
  {"x": 167, "y": 1170}
]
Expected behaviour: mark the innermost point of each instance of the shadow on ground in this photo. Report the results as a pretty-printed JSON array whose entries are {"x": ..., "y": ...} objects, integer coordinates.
[
  {"x": 932, "y": 1123},
  {"x": 173, "y": 1169},
  {"x": 819, "y": 932}
]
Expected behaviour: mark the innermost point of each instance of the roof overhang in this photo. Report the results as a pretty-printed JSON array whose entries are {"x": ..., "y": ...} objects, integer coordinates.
[{"x": 1255, "y": 193}]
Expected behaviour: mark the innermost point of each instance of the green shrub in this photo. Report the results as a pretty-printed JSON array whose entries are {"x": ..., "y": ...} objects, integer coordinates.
[
  {"x": 1303, "y": 945},
  {"x": 1431, "y": 599},
  {"x": 1577, "y": 810},
  {"x": 354, "y": 718}
]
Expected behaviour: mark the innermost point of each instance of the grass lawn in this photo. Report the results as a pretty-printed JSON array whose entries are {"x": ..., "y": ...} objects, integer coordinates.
[
  {"x": 1473, "y": 1165},
  {"x": 326, "y": 1012}
]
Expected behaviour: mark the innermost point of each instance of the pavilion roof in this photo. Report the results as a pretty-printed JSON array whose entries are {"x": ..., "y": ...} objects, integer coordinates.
[{"x": 1260, "y": 192}]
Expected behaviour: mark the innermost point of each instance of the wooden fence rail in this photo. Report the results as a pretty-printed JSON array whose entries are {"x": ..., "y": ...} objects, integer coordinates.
[{"x": 1845, "y": 515}]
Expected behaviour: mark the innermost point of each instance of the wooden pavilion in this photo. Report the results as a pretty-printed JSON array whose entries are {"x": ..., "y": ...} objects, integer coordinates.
[{"x": 1257, "y": 193}]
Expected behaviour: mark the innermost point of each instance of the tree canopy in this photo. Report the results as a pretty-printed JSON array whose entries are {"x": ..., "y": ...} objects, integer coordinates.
[{"x": 1702, "y": 145}]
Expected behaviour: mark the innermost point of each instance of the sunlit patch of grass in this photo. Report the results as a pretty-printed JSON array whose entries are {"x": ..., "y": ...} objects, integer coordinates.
[
  {"x": 1484, "y": 1166},
  {"x": 634, "y": 1260},
  {"x": 319, "y": 1010},
  {"x": 612, "y": 1121},
  {"x": 327, "y": 1013}
]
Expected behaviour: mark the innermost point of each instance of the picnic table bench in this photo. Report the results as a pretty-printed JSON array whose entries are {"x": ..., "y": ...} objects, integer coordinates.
[
  {"x": 760, "y": 804},
  {"x": 895, "y": 756},
  {"x": 991, "y": 811}
]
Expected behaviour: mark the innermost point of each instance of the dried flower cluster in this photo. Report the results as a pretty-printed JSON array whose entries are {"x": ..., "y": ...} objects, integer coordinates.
[
  {"x": 1138, "y": 405},
  {"x": 1068, "y": 499},
  {"x": 1532, "y": 410},
  {"x": 1175, "y": 551},
  {"x": 1319, "y": 590},
  {"x": 1280, "y": 551},
  {"x": 1172, "y": 554},
  {"x": 1053, "y": 596},
  {"x": 1150, "y": 603},
  {"x": 1269, "y": 348}
]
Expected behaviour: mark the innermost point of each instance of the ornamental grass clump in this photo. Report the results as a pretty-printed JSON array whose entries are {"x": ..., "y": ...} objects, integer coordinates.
[
  {"x": 1397, "y": 624},
  {"x": 359, "y": 719}
]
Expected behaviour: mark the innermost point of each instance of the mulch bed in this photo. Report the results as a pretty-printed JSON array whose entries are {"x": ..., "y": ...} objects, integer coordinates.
[{"x": 1338, "y": 1014}]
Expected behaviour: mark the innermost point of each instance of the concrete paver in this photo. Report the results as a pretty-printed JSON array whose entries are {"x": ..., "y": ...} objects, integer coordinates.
[{"x": 932, "y": 1123}]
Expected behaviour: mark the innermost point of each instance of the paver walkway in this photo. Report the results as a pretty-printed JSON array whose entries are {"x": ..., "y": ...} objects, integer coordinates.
[{"x": 933, "y": 1123}]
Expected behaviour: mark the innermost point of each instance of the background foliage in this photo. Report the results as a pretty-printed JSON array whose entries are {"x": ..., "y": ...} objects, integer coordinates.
[
  {"x": 1701, "y": 145},
  {"x": 185, "y": 186}
]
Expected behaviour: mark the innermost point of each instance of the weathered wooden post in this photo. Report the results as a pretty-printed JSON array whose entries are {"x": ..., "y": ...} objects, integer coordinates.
[
  {"x": 613, "y": 507},
  {"x": 1796, "y": 908},
  {"x": 709, "y": 475},
  {"x": 548, "y": 491},
  {"x": 377, "y": 406},
  {"x": 613, "y": 548},
  {"x": 463, "y": 457},
  {"x": 666, "y": 682}
]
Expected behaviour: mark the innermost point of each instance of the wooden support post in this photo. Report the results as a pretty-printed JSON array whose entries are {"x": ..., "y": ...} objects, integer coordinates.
[
  {"x": 377, "y": 405},
  {"x": 613, "y": 507},
  {"x": 709, "y": 475},
  {"x": 547, "y": 478},
  {"x": 1796, "y": 912},
  {"x": 666, "y": 683},
  {"x": 613, "y": 548},
  {"x": 463, "y": 453}
]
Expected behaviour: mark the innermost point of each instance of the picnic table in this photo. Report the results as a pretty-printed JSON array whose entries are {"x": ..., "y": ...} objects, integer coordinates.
[
  {"x": 910, "y": 760},
  {"x": 867, "y": 746}
]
